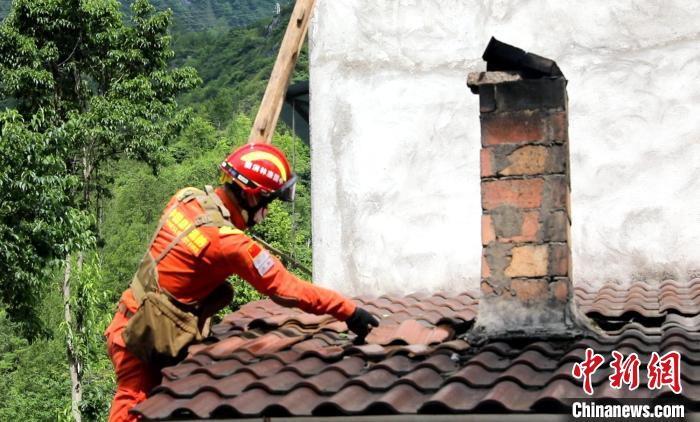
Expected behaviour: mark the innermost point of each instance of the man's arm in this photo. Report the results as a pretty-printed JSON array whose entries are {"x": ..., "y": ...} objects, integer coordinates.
[{"x": 266, "y": 273}]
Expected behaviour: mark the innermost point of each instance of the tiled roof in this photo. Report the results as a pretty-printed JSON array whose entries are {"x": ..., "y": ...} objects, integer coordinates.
[{"x": 273, "y": 361}]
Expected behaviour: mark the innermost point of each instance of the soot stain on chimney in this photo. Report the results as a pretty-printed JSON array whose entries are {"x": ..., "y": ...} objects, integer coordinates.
[{"x": 507, "y": 221}]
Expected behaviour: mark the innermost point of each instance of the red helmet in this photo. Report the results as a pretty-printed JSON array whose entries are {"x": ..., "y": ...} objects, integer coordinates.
[{"x": 260, "y": 168}]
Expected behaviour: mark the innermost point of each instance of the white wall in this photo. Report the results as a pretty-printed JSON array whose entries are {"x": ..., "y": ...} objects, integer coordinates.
[{"x": 395, "y": 136}]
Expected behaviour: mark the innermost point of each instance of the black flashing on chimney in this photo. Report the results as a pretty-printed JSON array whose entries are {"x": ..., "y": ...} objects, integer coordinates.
[{"x": 500, "y": 56}]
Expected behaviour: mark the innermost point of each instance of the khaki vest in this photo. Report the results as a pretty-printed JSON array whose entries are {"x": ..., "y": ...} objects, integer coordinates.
[{"x": 162, "y": 328}]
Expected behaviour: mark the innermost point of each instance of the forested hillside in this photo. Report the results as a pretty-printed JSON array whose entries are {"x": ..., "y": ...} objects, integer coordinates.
[
  {"x": 97, "y": 226},
  {"x": 234, "y": 65},
  {"x": 202, "y": 15}
]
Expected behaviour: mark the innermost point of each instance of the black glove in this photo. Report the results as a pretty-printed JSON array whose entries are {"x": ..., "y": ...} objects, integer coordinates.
[{"x": 360, "y": 322}]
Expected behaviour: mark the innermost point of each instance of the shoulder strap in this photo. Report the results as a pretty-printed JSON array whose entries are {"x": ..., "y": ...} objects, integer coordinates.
[
  {"x": 215, "y": 214},
  {"x": 182, "y": 196},
  {"x": 161, "y": 223},
  {"x": 174, "y": 242},
  {"x": 146, "y": 277},
  {"x": 188, "y": 193},
  {"x": 217, "y": 201}
]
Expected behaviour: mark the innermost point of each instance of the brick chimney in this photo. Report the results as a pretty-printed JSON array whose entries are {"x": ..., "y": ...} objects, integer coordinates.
[{"x": 526, "y": 213}]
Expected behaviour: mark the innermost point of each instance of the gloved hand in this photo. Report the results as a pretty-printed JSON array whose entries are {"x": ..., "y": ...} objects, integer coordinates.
[{"x": 360, "y": 323}]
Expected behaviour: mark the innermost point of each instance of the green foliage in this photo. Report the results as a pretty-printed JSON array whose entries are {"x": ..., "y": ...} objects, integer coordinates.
[
  {"x": 93, "y": 90},
  {"x": 107, "y": 84},
  {"x": 244, "y": 293},
  {"x": 86, "y": 91},
  {"x": 33, "y": 376},
  {"x": 93, "y": 311},
  {"x": 37, "y": 223},
  {"x": 201, "y": 15},
  {"x": 235, "y": 65}
]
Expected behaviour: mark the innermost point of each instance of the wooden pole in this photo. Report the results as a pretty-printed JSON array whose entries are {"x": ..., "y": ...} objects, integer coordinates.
[{"x": 271, "y": 105}]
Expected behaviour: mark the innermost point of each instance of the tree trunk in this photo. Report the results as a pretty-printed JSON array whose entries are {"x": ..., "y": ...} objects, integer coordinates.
[{"x": 76, "y": 391}]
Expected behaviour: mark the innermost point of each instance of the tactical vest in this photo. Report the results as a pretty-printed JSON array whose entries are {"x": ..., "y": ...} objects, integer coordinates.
[{"x": 215, "y": 215}]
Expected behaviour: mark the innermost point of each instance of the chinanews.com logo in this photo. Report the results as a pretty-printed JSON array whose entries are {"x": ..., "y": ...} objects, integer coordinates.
[{"x": 661, "y": 371}]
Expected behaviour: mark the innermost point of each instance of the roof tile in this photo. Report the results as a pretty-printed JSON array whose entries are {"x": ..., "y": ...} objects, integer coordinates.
[
  {"x": 280, "y": 382},
  {"x": 423, "y": 379},
  {"x": 308, "y": 366},
  {"x": 454, "y": 396},
  {"x": 252, "y": 402},
  {"x": 327, "y": 381},
  {"x": 377, "y": 379},
  {"x": 352, "y": 399},
  {"x": 273, "y": 361}
]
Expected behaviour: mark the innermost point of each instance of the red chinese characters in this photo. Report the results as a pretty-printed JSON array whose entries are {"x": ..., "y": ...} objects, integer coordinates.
[
  {"x": 626, "y": 371},
  {"x": 587, "y": 368},
  {"x": 665, "y": 370},
  {"x": 661, "y": 370}
]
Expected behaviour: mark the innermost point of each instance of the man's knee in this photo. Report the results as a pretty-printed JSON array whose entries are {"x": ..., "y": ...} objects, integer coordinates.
[
  {"x": 125, "y": 400},
  {"x": 135, "y": 379}
]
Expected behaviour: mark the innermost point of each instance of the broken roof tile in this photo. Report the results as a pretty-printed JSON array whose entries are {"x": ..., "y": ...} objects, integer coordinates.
[
  {"x": 410, "y": 331},
  {"x": 273, "y": 361}
]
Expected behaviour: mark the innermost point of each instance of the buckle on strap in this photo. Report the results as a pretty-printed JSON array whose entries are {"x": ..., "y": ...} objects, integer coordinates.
[
  {"x": 202, "y": 219},
  {"x": 124, "y": 310}
]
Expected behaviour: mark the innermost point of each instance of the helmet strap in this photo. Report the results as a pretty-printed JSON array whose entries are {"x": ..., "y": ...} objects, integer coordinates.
[{"x": 247, "y": 211}]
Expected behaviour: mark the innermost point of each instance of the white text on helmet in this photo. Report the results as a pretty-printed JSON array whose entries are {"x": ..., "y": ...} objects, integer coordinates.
[{"x": 270, "y": 174}]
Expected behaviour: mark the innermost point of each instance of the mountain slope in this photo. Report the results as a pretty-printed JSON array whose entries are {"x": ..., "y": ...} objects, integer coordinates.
[
  {"x": 234, "y": 65},
  {"x": 201, "y": 15}
]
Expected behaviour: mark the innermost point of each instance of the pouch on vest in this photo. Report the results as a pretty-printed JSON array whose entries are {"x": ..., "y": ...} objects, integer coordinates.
[{"x": 159, "y": 332}]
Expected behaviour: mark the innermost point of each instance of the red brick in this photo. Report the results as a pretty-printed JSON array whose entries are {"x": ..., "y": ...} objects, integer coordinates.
[
  {"x": 530, "y": 290},
  {"x": 488, "y": 234},
  {"x": 558, "y": 127},
  {"x": 528, "y": 160},
  {"x": 528, "y": 231},
  {"x": 560, "y": 290},
  {"x": 559, "y": 259},
  {"x": 486, "y": 163},
  {"x": 519, "y": 193},
  {"x": 528, "y": 261},
  {"x": 512, "y": 128}
]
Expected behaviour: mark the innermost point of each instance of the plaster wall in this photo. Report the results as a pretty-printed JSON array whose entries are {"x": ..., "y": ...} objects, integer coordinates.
[{"x": 395, "y": 137}]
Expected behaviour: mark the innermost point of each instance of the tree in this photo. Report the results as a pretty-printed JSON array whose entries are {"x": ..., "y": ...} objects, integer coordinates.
[
  {"x": 88, "y": 89},
  {"x": 37, "y": 223}
]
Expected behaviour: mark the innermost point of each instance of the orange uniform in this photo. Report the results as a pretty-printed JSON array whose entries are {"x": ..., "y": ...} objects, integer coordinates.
[{"x": 197, "y": 265}]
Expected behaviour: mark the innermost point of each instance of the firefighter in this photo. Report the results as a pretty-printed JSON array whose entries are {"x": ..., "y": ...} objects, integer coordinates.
[{"x": 181, "y": 281}]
